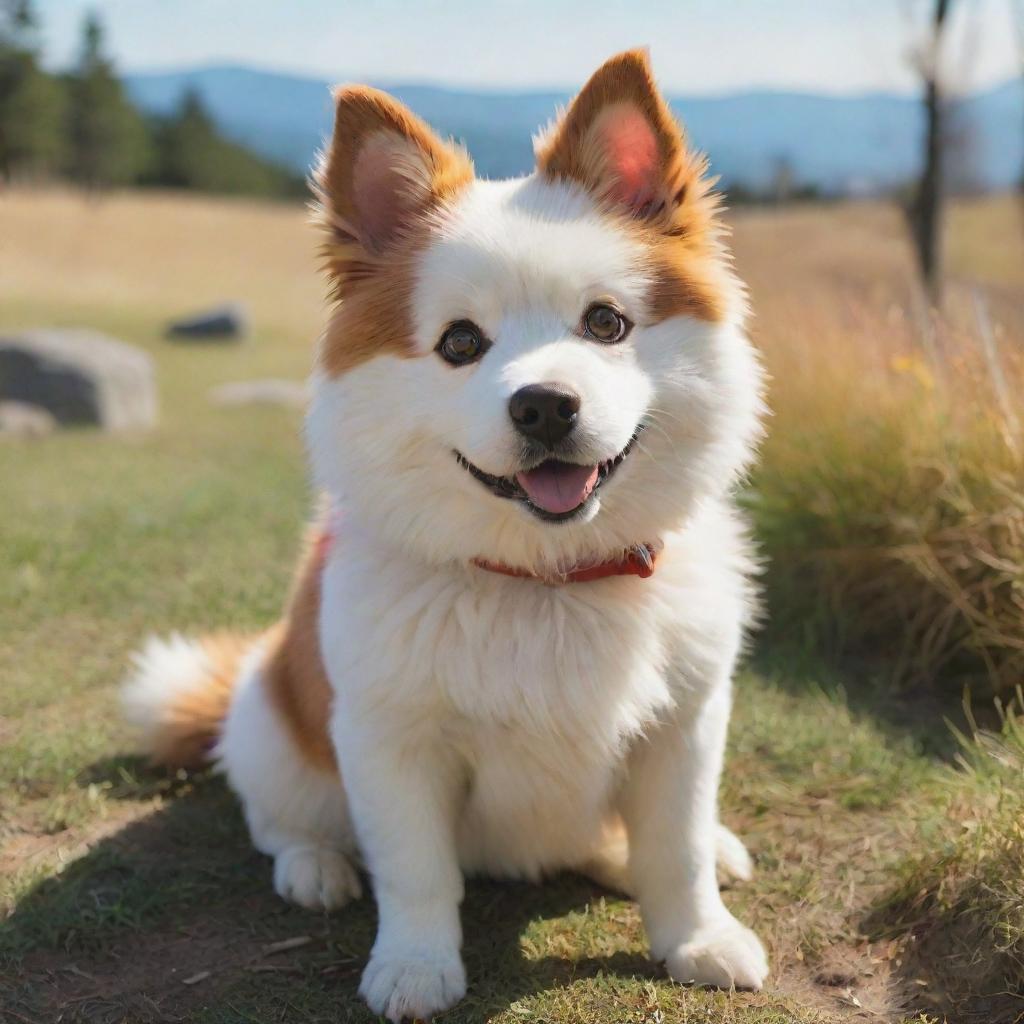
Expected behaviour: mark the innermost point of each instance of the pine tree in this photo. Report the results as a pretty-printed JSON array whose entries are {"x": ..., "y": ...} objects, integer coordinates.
[
  {"x": 188, "y": 145},
  {"x": 192, "y": 154},
  {"x": 108, "y": 142},
  {"x": 31, "y": 101}
]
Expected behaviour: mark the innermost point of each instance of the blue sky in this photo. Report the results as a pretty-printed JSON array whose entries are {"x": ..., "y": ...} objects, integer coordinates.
[{"x": 698, "y": 46}]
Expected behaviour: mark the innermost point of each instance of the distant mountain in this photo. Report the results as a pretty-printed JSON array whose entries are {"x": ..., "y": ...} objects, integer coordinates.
[{"x": 839, "y": 144}]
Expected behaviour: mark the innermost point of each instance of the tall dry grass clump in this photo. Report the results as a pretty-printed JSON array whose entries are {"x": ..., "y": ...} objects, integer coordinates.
[
  {"x": 957, "y": 909},
  {"x": 890, "y": 499}
]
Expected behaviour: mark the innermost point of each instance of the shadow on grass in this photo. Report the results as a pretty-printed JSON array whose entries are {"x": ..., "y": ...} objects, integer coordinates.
[
  {"x": 954, "y": 961},
  {"x": 920, "y": 714},
  {"x": 170, "y": 919}
]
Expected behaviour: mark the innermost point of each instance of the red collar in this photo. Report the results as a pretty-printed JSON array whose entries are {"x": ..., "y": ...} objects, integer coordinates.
[{"x": 637, "y": 561}]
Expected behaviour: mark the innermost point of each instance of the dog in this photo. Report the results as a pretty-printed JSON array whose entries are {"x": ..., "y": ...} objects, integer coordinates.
[{"x": 510, "y": 642}]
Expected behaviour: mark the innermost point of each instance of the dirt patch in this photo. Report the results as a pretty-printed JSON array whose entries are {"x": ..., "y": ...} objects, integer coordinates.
[
  {"x": 159, "y": 976},
  {"x": 849, "y": 982},
  {"x": 25, "y": 849}
]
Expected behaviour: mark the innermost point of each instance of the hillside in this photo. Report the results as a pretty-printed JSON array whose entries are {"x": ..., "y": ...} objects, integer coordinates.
[{"x": 860, "y": 144}]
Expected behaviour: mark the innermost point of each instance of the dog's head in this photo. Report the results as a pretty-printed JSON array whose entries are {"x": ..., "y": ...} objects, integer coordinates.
[{"x": 538, "y": 372}]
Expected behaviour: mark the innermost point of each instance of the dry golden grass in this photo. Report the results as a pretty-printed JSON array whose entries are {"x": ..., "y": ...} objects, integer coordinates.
[
  {"x": 889, "y": 497},
  {"x": 160, "y": 254},
  {"x": 957, "y": 911},
  {"x": 986, "y": 240}
]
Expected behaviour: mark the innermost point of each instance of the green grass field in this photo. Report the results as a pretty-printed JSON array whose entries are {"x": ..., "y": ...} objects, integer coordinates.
[{"x": 132, "y": 895}]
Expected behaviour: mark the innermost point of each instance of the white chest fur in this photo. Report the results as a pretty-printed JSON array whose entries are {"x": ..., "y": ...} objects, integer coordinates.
[{"x": 538, "y": 692}]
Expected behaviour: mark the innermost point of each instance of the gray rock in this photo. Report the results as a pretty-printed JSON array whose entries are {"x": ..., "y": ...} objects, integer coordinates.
[
  {"x": 222, "y": 323},
  {"x": 19, "y": 419},
  {"x": 80, "y": 377},
  {"x": 270, "y": 391}
]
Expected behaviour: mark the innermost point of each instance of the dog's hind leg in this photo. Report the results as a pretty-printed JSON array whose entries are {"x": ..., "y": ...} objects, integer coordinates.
[
  {"x": 296, "y": 810},
  {"x": 609, "y": 863}
]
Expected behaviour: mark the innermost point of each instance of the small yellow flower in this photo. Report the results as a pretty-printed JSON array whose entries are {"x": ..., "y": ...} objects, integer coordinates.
[{"x": 913, "y": 366}]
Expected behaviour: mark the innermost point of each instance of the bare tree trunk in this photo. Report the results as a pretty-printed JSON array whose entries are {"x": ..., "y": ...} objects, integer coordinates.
[
  {"x": 1019, "y": 10},
  {"x": 926, "y": 213}
]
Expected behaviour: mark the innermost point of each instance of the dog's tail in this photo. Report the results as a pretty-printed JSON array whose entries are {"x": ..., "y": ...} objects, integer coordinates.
[{"x": 178, "y": 693}]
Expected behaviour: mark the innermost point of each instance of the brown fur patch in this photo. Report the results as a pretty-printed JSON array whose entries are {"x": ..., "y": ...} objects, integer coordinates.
[
  {"x": 373, "y": 317},
  {"x": 293, "y": 673},
  {"x": 371, "y": 277},
  {"x": 679, "y": 224},
  {"x": 609, "y": 863},
  {"x": 191, "y": 723}
]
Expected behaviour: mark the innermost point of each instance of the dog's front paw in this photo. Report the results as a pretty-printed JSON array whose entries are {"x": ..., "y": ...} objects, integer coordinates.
[
  {"x": 315, "y": 877},
  {"x": 402, "y": 987},
  {"x": 723, "y": 953}
]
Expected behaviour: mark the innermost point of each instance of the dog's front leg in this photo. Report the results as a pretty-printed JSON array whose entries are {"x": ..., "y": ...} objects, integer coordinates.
[
  {"x": 403, "y": 788},
  {"x": 669, "y": 804}
]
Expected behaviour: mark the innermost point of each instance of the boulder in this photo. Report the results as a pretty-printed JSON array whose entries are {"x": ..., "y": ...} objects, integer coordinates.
[
  {"x": 80, "y": 377},
  {"x": 269, "y": 391},
  {"x": 19, "y": 419},
  {"x": 222, "y": 323}
]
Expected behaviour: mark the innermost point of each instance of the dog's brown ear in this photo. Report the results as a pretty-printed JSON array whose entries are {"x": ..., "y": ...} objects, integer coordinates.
[
  {"x": 384, "y": 169},
  {"x": 619, "y": 140}
]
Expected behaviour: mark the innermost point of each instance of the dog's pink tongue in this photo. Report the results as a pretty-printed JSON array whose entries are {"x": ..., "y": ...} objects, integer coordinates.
[{"x": 558, "y": 487}]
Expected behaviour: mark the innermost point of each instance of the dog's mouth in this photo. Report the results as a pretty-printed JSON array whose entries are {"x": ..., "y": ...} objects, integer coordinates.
[{"x": 552, "y": 490}]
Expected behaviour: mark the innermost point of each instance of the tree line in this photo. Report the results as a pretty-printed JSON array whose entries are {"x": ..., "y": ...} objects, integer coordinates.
[{"x": 80, "y": 125}]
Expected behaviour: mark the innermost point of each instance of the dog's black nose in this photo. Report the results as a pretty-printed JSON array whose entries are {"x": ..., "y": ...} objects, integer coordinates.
[{"x": 545, "y": 412}]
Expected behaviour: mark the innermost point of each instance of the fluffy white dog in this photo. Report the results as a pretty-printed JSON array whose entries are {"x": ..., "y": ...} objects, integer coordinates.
[{"x": 510, "y": 644}]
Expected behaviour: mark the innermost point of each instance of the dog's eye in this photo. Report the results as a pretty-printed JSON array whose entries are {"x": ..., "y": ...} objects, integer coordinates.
[
  {"x": 462, "y": 343},
  {"x": 606, "y": 324}
]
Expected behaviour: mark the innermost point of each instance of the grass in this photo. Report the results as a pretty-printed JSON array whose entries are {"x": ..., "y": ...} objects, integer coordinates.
[
  {"x": 884, "y": 872},
  {"x": 889, "y": 497},
  {"x": 961, "y": 902}
]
